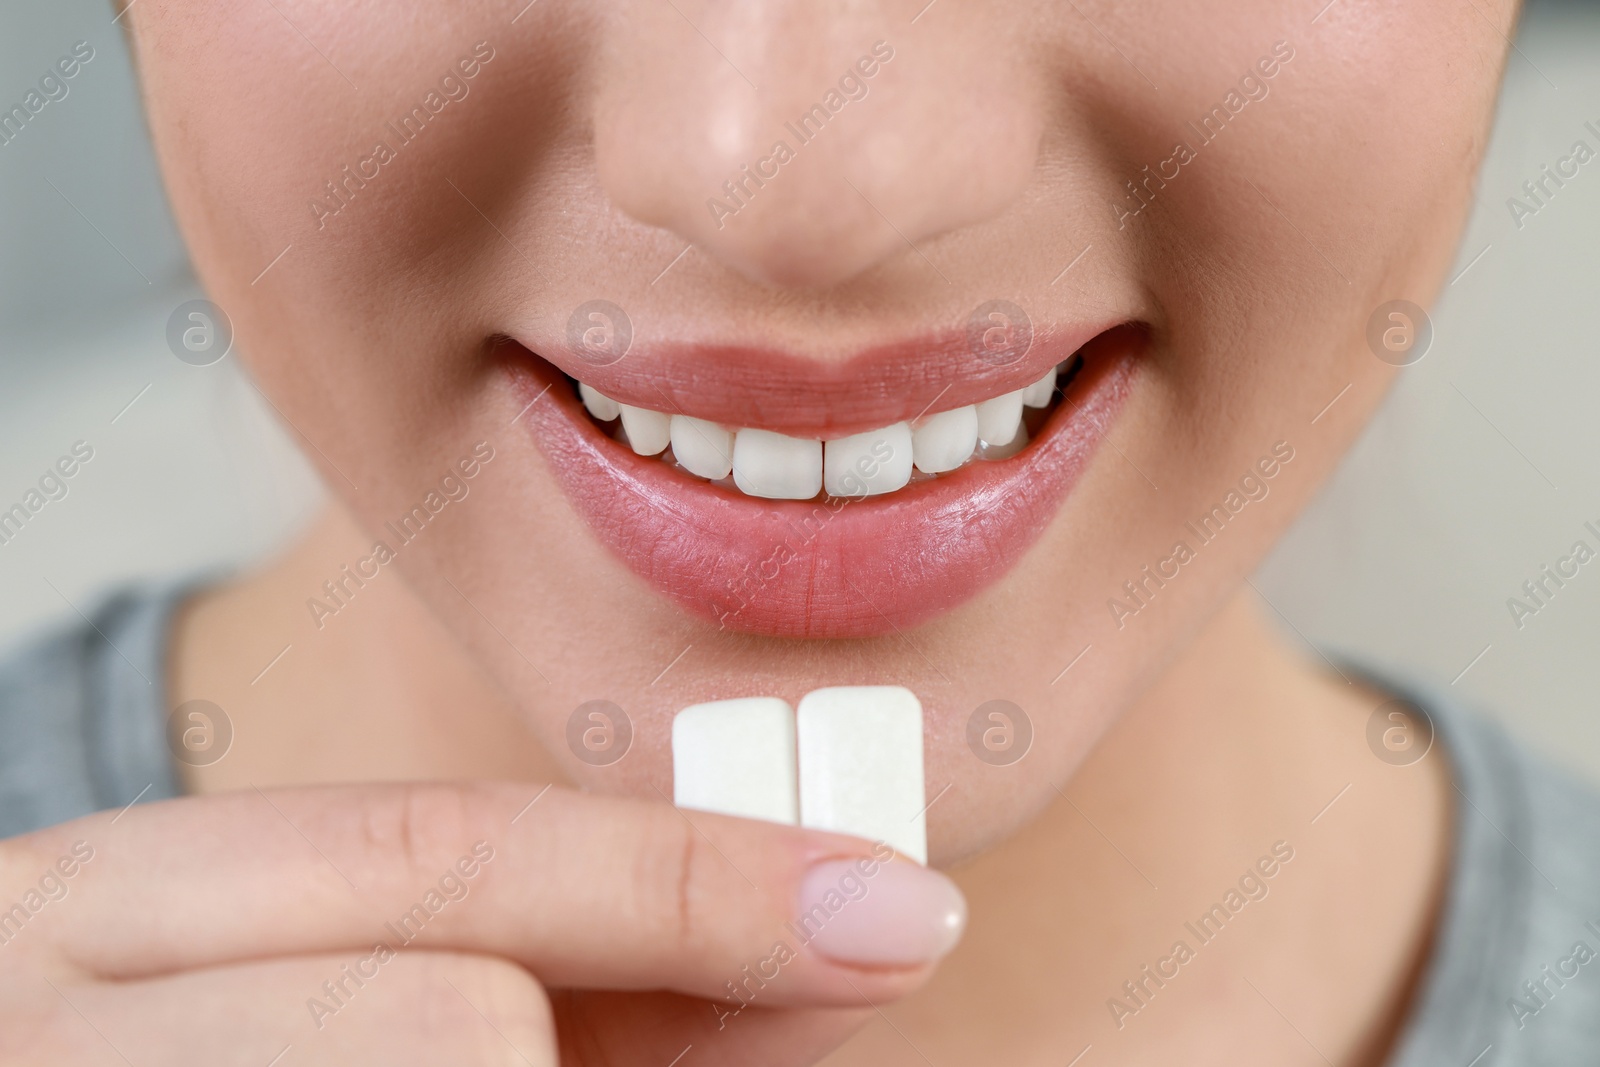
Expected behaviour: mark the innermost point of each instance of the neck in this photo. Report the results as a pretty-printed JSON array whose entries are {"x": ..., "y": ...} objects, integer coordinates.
[
  {"x": 1134, "y": 915},
  {"x": 377, "y": 690}
]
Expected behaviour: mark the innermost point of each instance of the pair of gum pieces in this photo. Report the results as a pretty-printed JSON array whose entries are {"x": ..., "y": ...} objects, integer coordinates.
[{"x": 848, "y": 759}]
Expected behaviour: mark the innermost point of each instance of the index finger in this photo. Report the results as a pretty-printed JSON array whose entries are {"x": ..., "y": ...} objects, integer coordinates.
[{"x": 585, "y": 891}]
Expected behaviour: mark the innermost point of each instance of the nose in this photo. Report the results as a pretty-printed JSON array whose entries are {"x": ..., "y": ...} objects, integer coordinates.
[{"x": 803, "y": 142}]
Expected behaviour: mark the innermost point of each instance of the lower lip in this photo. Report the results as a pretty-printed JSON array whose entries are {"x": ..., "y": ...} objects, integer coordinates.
[{"x": 828, "y": 568}]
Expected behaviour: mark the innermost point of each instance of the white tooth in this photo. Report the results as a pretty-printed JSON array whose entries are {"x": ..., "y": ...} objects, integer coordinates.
[
  {"x": 945, "y": 441},
  {"x": 649, "y": 432},
  {"x": 600, "y": 406},
  {"x": 704, "y": 448},
  {"x": 1000, "y": 418},
  {"x": 860, "y": 751},
  {"x": 865, "y": 464},
  {"x": 1038, "y": 394},
  {"x": 776, "y": 466},
  {"x": 1006, "y": 451},
  {"x": 737, "y": 757}
]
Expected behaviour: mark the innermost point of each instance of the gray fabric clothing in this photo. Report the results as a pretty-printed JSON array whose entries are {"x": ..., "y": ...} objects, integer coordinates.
[
  {"x": 82, "y": 719},
  {"x": 1522, "y": 906},
  {"x": 82, "y": 728}
]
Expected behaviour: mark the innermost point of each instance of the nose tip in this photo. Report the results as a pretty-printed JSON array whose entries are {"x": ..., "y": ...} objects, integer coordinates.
[{"x": 802, "y": 166}]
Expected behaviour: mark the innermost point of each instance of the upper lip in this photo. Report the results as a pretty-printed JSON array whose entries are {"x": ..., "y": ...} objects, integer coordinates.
[{"x": 780, "y": 390}]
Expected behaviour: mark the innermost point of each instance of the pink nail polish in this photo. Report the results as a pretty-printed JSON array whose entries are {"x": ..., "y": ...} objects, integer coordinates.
[{"x": 874, "y": 914}]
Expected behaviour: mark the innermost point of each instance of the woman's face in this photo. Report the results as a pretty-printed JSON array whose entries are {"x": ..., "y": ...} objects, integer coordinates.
[{"x": 821, "y": 221}]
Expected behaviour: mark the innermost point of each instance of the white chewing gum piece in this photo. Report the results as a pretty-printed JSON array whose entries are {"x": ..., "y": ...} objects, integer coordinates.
[
  {"x": 737, "y": 757},
  {"x": 861, "y": 765}
]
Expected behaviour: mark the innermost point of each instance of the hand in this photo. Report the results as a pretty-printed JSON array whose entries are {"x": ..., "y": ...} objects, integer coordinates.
[{"x": 459, "y": 924}]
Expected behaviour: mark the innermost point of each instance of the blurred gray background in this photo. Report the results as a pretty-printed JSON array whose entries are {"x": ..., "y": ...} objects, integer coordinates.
[{"x": 1481, "y": 468}]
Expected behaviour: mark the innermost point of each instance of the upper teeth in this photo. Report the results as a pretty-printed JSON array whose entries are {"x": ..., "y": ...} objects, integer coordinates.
[
  {"x": 704, "y": 448},
  {"x": 779, "y": 467},
  {"x": 1000, "y": 419},
  {"x": 866, "y": 464},
  {"x": 600, "y": 406},
  {"x": 945, "y": 441},
  {"x": 776, "y": 466},
  {"x": 649, "y": 432}
]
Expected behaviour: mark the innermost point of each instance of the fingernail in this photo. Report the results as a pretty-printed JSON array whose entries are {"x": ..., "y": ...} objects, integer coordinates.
[{"x": 876, "y": 914}]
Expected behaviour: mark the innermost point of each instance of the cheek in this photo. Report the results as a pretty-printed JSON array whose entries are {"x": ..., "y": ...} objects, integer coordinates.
[
  {"x": 349, "y": 208},
  {"x": 246, "y": 190},
  {"x": 1297, "y": 215}
]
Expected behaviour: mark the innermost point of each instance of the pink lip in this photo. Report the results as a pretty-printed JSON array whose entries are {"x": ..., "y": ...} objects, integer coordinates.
[{"x": 822, "y": 568}]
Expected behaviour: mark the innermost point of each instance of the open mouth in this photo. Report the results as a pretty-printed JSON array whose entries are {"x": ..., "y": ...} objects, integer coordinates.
[
  {"x": 776, "y": 466},
  {"x": 770, "y": 497}
]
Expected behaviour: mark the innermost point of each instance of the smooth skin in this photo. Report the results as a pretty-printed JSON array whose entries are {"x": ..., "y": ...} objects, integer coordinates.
[
  {"x": 996, "y": 144},
  {"x": 604, "y": 893}
]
